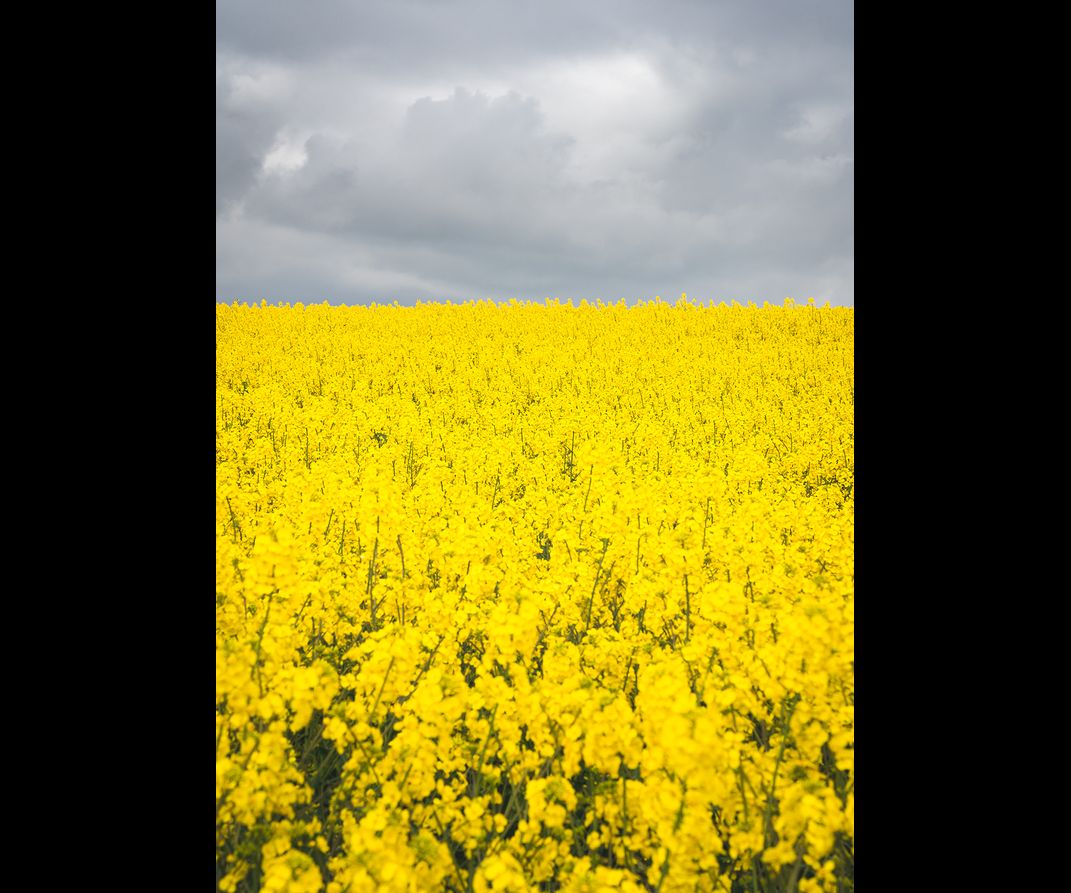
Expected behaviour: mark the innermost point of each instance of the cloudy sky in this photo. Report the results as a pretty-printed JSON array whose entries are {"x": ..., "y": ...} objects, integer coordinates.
[{"x": 381, "y": 150}]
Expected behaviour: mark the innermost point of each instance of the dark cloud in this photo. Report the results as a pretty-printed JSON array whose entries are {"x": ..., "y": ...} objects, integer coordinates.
[{"x": 431, "y": 150}]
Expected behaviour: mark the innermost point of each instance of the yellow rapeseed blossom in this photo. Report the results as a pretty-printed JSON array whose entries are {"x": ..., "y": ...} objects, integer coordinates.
[{"x": 521, "y": 596}]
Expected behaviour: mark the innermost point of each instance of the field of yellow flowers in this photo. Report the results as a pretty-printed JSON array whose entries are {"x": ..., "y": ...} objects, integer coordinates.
[{"x": 534, "y": 596}]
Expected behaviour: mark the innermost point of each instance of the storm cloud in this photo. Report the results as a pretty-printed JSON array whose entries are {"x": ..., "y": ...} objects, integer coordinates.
[{"x": 404, "y": 150}]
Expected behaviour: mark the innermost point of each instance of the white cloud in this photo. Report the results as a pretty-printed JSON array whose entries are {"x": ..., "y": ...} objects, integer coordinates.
[
  {"x": 252, "y": 82},
  {"x": 597, "y": 150},
  {"x": 287, "y": 154},
  {"x": 818, "y": 123}
]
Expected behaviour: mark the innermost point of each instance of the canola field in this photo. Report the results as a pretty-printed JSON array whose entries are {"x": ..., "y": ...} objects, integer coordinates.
[{"x": 534, "y": 596}]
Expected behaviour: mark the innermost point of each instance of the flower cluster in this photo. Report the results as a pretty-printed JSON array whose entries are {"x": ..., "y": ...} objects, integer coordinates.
[{"x": 534, "y": 596}]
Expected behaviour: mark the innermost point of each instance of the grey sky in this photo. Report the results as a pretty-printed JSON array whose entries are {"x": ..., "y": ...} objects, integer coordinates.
[{"x": 452, "y": 149}]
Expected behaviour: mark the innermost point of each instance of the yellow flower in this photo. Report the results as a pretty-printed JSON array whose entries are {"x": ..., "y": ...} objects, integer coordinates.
[{"x": 559, "y": 592}]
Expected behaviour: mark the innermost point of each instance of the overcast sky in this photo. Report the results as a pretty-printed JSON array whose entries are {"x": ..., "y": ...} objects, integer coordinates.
[{"x": 381, "y": 150}]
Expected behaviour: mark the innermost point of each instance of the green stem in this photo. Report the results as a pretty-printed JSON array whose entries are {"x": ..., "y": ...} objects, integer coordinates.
[
  {"x": 687, "y": 611},
  {"x": 382, "y": 686},
  {"x": 767, "y": 819},
  {"x": 371, "y": 583},
  {"x": 598, "y": 573},
  {"x": 477, "y": 780}
]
